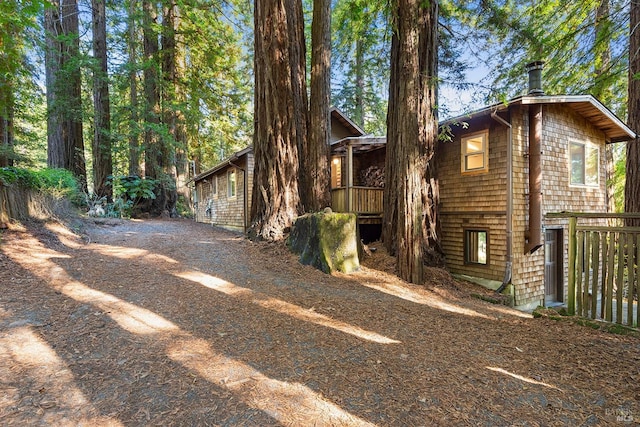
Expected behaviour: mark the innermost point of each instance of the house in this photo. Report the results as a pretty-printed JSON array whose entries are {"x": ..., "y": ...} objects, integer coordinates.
[
  {"x": 507, "y": 167},
  {"x": 222, "y": 194}
]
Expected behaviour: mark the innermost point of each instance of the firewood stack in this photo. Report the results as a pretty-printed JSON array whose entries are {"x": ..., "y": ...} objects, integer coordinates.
[{"x": 373, "y": 176}]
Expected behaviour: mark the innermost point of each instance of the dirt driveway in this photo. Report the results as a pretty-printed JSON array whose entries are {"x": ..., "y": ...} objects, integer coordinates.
[{"x": 177, "y": 323}]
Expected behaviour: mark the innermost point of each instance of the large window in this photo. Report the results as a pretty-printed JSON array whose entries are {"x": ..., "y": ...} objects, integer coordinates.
[
  {"x": 231, "y": 183},
  {"x": 475, "y": 152},
  {"x": 584, "y": 161},
  {"x": 476, "y": 247}
]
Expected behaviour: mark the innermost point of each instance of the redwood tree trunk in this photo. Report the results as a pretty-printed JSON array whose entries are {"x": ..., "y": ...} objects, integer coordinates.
[
  {"x": 53, "y": 67},
  {"x": 279, "y": 125},
  {"x": 411, "y": 193},
  {"x": 632, "y": 183},
  {"x": 72, "y": 123},
  {"x": 102, "y": 159},
  {"x": 134, "y": 139},
  {"x": 153, "y": 144},
  {"x": 65, "y": 144},
  {"x": 315, "y": 170}
]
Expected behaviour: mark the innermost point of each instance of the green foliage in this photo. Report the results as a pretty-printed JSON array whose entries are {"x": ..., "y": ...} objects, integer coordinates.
[
  {"x": 128, "y": 193},
  {"x": 59, "y": 182}
]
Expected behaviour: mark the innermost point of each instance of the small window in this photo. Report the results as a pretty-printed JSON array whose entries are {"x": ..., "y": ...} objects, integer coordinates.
[
  {"x": 474, "y": 152},
  {"x": 231, "y": 183},
  {"x": 214, "y": 186},
  {"x": 584, "y": 161},
  {"x": 476, "y": 247}
]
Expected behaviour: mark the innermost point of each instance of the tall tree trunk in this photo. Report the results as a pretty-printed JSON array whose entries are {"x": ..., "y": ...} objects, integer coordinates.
[
  {"x": 72, "y": 123},
  {"x": 602, "y": 49},
  {"x": 6, "y": 122},
  {"x": 279, "y": 92},
  {"x": 632, "y": 182},
  {"x": 411, "y": 192},
  {"x": 153, "y": 145},
  {"x": 315, "y": 170},
  {"x": 102, "y": 159},
  {"x": 173, "y": 118},
  {"x": 134, "y": 135},
  {"x": 359, "y": 71},
  {"x": 53, "y": 68}
]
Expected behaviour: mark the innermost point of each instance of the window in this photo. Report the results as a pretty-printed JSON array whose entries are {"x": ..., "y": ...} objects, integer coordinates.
[
  {"x": 476, "y": 247},
  {"x": 584, "y": 161},
  {"x": 231, "y": 183},
  {"x": 214, "y": 186},
  {"x": 475, "y": 152}
]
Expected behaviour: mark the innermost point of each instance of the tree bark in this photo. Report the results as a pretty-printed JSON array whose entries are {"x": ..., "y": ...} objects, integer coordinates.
[
  {"x": 632, "y": 180},
  {"x": 153, "y": 144},
  {"x": 175, "y": 157},
  {"x": 72, "y": 123},
  {"x": 411, "y": 194},
  {"x": 102, "y": 158},
  {"x": 134, "y": 135},
  {"x": 279, "y": 125},
  {"x": 315, "y": 170},
  {"x": 53, "y": 67}
]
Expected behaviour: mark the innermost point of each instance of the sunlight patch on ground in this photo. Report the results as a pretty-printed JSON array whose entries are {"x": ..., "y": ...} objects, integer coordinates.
[
  {"x": 24, "y": 356},
  {"x": 288, "y": 403},
  {"x": 130, "y": 317},
  {"x": 66, "y": 236},
  {"x": 520, "y": 377},
  {"x": 282, "y": 307},
  {"x": 431, "y": 300},
  {"x": 123, "y": 252}
]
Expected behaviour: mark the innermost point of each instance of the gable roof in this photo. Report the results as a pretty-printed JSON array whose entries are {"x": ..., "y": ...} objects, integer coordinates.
[
  {"x": 226, "y": 162},
  {"x": 587, "y": 106},
  {"x": 346, "y": 121}
]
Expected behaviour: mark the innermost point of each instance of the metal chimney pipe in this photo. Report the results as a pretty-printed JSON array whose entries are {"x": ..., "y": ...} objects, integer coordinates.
[{"x": 535, "y": 77}]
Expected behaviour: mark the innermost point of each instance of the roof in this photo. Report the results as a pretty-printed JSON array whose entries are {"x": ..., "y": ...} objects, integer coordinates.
[
  {"x": 587, "y": 106},
  {"x": 359, "y": 144},
  {"x": 226, "y": 162},
  {"x": 346, "y": 122}
]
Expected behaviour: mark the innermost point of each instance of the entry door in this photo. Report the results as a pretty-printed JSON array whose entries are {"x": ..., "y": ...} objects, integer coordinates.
[{"x": 553, "y": 269}]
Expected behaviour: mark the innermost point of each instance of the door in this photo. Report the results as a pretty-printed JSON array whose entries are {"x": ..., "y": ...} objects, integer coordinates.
[{"x": 553, "y": 268}]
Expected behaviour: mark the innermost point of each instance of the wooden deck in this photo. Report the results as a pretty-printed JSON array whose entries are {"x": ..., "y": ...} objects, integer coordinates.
[{"x": 366, "y": 202}]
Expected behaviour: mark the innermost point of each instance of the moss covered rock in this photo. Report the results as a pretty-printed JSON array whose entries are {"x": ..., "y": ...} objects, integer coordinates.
[{"x": 327, "y": 241}]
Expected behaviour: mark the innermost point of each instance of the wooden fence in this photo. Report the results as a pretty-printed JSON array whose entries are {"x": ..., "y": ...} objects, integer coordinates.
[{"x": 603, "y": 267}]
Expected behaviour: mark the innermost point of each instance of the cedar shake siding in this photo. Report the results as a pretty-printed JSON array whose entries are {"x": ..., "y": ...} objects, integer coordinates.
[
  {"x": 225, "y": 208},
  {"x": 477, "y": 201},
  {"x": 474, "y": 201}
]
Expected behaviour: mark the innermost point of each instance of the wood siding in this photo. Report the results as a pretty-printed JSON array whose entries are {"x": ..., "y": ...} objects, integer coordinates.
[
  {"x": 474, "y": 201},
  {"x": 225, "y": 211},
  {"x": 560, "y": 125},
  {"x": 478, "y": 201}
]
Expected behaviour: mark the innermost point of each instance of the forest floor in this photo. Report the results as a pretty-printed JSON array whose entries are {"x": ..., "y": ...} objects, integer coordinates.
[{"x": 170, "y": 322}]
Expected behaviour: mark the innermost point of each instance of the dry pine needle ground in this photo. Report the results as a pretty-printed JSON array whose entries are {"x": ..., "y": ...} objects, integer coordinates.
[{"x": 178, "y": 323}]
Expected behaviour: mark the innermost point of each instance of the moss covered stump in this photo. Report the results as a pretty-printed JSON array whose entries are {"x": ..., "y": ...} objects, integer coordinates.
[{"x": 327, "y": 241}]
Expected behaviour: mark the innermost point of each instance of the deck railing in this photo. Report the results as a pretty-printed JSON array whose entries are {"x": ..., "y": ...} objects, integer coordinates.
[
  {"x": 361, "y": 200},
  {"x": 603, "y": 268}
]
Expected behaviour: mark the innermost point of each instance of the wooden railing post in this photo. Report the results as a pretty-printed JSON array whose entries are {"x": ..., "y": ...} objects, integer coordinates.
[{"x": 571, "y": 297}]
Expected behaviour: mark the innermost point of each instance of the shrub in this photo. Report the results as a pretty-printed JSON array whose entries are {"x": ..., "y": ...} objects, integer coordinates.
[{"x": 58, "y": 182}]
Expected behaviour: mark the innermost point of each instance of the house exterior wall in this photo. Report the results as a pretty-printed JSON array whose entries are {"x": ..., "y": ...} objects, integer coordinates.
[
  {"x": 219, "y": 208},
  {"x": 479, "y": 201},
  {"x": 474, "y": 201},
  {"x": 560, "y": 125}
]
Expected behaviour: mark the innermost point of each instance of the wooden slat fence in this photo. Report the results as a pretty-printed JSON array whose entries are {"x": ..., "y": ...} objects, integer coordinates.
[{"x": 603, "y": 267}]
